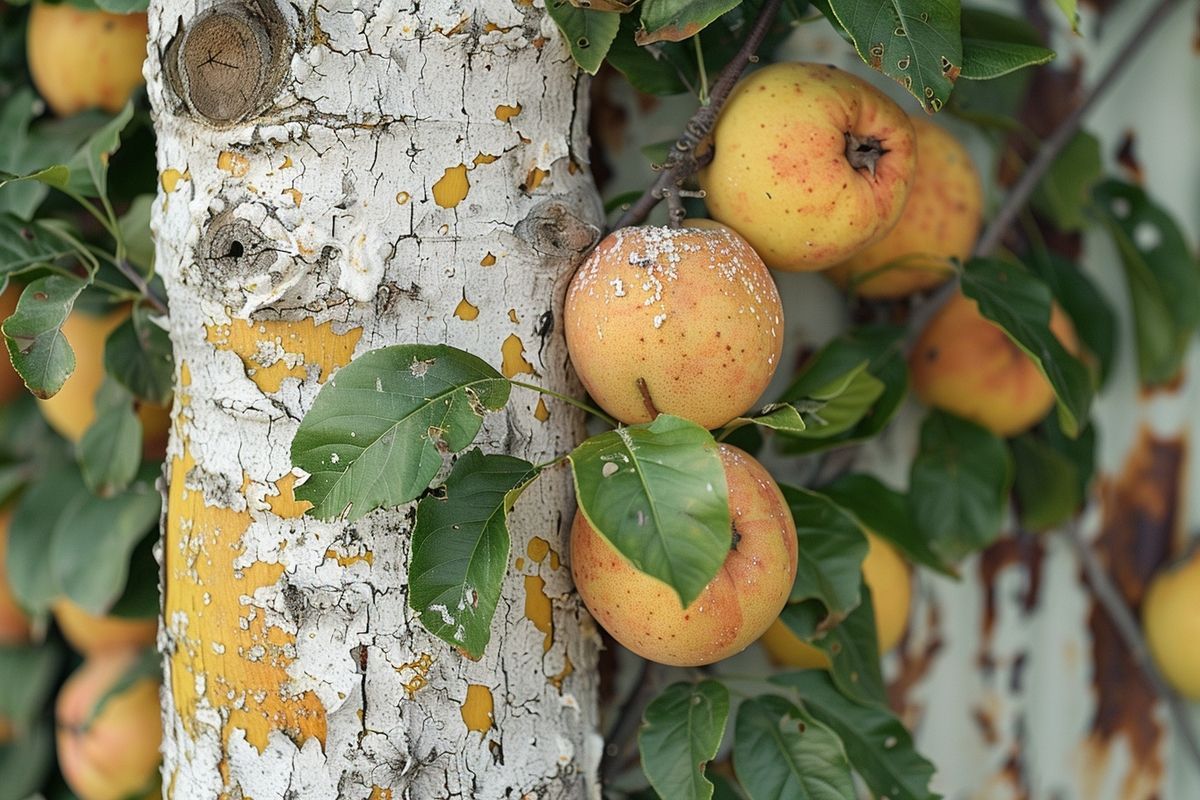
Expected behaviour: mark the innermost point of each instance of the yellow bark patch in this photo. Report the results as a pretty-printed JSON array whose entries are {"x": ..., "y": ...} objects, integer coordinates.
[
  {"x": 276, "y": 349},
  {"x": 402, "y": 197},
  {"x": 171, "y": 177},
  {"x": 505, "y": 113},
  {"x": 512, "y": 316},
  {"x": 540, "y": 412},
  {"x": 485, "y": 158},
  {"x": 537, "y": 549},
  {"x": 346, "y": 560},
  {"x": 284, "y": 504},
  {"x": 535, "y": 177},
  {"x": 379, "y": 793},
  {"x": 538, "y": 608},
  {"x": 487, "y": 261},
  {"x": 296, "y": 195},
  {"x": 477, "y": 708},
  {"x": 520, "y": 563},
  {"x": 465, "y": 310},
  {"x": 568, "y": 668},
  {"x": 235, "y": 164},
  {"x": 514, "y": 361},
  {"x": 452, "y": 187},
  {"x": 227, "y": 656},
  {"x": 287, "y": 163},
  {"x": 419, "y": 672}
]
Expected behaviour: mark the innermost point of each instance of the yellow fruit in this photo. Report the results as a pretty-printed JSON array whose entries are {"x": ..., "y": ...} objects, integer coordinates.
[
  {"x": 887, "y": 576},
  {"x": 85, "y": 59},
  {"x": 90, "y": 634},
  {"x": 72, "y": 410},
  {"x": 1171, "y": 619},
  {"x": 749, "y": 591},
  {"x": 811, "y": 164},
  {"x": 108, "y": 734},
  {"x": 940, "y": 223},
  {"x": 691, "y": 312},
  {"x": 14, "y": 623},
  {"x": 965, "y": 364}
]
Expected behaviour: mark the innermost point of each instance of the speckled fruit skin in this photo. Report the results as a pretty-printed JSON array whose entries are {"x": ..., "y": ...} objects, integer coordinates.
[
  {"x": 940, "y": 222},
  {"x": 90, "y": 634},
  {"x": 891, "y": 595},
  {"x": 108, "y": 741},
  {"x": 965, "y": 364},
  {"x": 780, "y": 176},
  {"x": 1171, "y": 620},
  {"x": 85, "y": 59},
  {"x": 72, "y": 410},
  {"x": 644, "y": 614},
  {"x": 692, "y": 311}
]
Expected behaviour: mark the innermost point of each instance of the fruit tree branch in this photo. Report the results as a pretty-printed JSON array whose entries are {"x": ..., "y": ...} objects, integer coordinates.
[
  {"x": 1131, "y": 633},
  {"x": 681, "y": 161}
]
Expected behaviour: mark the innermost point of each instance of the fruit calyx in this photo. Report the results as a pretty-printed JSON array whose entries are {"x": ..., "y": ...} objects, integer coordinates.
[{"x": 862, "y": 152}]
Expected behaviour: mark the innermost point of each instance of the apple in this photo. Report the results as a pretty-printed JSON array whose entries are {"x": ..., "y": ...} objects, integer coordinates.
[
  {"x": 645, "y": 615},
  {"x": 810, "y": 164},
  {"x": 1171, "y": 620},
  {"x": 939, "y": 224},
  {"x": 90, "y": 634},
  {"x": 681, "y": 321}
]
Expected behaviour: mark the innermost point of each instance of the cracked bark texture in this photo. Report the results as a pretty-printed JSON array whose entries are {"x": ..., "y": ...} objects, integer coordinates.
[{"x": 334, "y": 178}]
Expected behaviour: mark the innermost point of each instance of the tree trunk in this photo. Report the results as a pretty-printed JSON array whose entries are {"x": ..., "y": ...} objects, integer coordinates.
[{"x": 335, "y": 179}]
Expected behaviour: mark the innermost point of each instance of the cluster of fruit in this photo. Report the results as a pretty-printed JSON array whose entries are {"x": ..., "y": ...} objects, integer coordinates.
[{"x": 812, "y": 169}]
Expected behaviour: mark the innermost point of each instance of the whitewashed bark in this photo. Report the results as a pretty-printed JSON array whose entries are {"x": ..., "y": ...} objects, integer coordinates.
[{"x": 377, "y": 99}]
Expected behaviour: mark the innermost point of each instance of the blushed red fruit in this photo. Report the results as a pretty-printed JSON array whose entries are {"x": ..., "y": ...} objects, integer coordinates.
[
  {"x": 810, "y": 164},
  {"x": 965, "y": 364},
  {"x": 109, "y": 728},
  {"x": 92, "y": 633},
  {"x": 939, "y": 225},
  {"x": 691, "y": 312},
  {"x": 82, "y": 59},
  {"x": 747, "y": 594}
]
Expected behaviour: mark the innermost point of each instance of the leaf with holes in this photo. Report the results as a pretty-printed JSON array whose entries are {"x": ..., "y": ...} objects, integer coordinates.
[
  {"x": 917, "y": 43},
  {"x": 375, "y": 433},
  {"x": 959, "y": 485},
  {"x": 39, "y": 351},
  {"x": 589, "y": 33},
  {"x": 852, "y": 646},
  {"x": 676, "y": 20},
  {"x": 657, "y": 493},
  {"x": 878, "y": 745},
  {"x": 460, "y": 548},
  {"x": 1162, "y": 273},
  {"x": 681, "y": 731},
  {"x": 830, "y": 551},
  {"x": 1018, "y": 302},
  {"x": 781, "y": 751}
]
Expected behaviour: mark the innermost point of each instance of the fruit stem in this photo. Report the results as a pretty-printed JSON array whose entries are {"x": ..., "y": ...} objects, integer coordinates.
[
  {"x": 595, "y": 412},
  {"x": 863, "y": 153},
  {"x": 1127, "y": 627},
  {"x": 702, "y": 69},
  {"x": 647, "y": 400},
  {"x": 681, "y": 161}
]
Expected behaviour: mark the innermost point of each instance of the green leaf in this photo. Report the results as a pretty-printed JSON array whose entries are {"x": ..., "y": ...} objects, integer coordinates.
[
  {"x": 852, "y": 647},
  {"x": 681, "y": 731},
  {"x": 1070, "y": 12},
  {"x": 882, "y": 347},
  {"x": 26, "y": 245},
  {"x": 878, "y": 745},
  {"x": 89, "y": 166},
  {"x": 657, "y": 493},
  {"x": 780, "y": 751},
  {"x": 915, "y": 42},
  {"x": 995, "y": 45},
  {"x": 138, "y": 355},
  {"x": 1064, "y": 193},
  {"x": 28, "y": 677},
  {"x": 39, "y": 351},
  {"x": 140, "y": 600},
  {"x": 830, "y": 551},
  {"x": 782, "y": 417},
  {"x": 460, "y": 548},
  {"x": 374, "y": 435},
  {"x": 26, "y": 761},
  {"x": 1020, "y": 304},
  {"x": 1162, "y": 273},
  {"x": 1047, "y": 484},
  {"x": 1080, "y": 451},
  {"x": 676, "y": 20},
  {"x": 31, "y": 533},
  {"x": 123, "y": 6},
  {"x": 93, "y": 540},
  {"x": 1089, "y": 310},
  {"x": 834, "y": 391},
  {"x": 134, "y": 225},
  {"x": 588, "y": 33},
  {"x": 886, "y": 513},
  {"x": 111, "y": 449},
  {"x": 959, "y": 484},
  {"x": 18, "y": 196},
  {"x": 664, "y": 70}
]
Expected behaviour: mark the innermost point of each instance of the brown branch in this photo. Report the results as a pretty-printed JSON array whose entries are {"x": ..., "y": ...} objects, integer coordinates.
[
  {"x": 1130, "y": 631},
  {"x": 681, "y": 161}
]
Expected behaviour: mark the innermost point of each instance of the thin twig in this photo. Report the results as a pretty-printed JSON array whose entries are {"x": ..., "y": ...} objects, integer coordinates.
[
  {"x": 135, "y": 277},
  {"x": 681, "y": 160},
  {"x": 1131, "y": 633}
]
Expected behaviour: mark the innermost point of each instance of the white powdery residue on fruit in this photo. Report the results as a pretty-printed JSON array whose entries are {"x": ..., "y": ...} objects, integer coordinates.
[
  {"x": 659, "y": 319},
  {"x": 618, "y": 287}
]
